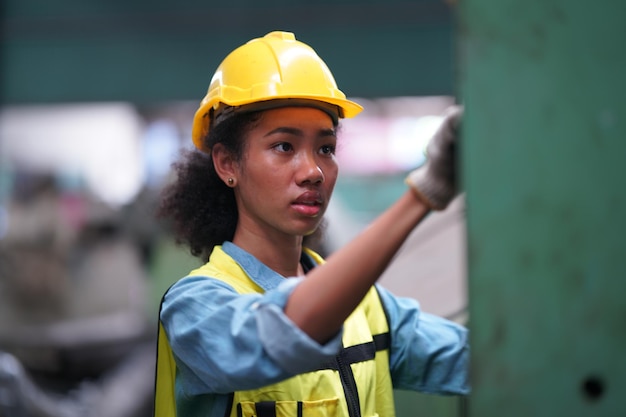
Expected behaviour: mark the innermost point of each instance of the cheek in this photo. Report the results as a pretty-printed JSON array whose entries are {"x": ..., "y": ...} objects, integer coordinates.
[
  {"x": 263, "y": 180},
  {"x": 331, "y": 170}
]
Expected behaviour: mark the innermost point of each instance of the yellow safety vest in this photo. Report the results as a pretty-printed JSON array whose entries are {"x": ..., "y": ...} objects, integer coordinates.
[{"x": 356, "y": 384}]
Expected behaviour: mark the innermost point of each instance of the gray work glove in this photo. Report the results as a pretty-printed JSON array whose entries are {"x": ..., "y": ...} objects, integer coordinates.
[{"x": 435, "y": 182}]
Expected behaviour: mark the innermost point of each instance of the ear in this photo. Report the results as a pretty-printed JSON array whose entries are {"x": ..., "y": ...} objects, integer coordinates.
[{"x": 225, "y": 164}]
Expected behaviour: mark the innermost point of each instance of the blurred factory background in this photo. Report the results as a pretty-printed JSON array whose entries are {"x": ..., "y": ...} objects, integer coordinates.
[
  {"x": 97, "y": 102},
  {"x": 97, "y": 98}
]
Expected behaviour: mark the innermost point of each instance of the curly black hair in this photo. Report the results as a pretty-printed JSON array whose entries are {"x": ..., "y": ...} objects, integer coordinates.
[{"x": 201, "y": 209}]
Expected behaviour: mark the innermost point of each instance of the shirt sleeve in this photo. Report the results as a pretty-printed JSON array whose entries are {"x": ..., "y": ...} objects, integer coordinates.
[
  {"x": 428, "y": 354},
  {"x": 224, "y": 341}
]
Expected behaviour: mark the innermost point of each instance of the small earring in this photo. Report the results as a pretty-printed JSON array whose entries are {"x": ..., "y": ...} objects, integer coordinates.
[{"x": 231, "y": 181}]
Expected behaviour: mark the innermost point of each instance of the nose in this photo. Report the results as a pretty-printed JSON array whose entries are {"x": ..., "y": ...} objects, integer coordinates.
[{"x": 309, "y": 170}]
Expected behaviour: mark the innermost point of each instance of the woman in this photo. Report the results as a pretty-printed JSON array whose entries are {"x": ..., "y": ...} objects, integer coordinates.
[{"x": 266, "y": 327}]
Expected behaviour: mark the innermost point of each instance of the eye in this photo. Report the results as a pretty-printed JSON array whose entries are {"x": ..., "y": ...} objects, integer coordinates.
[
  {"x": 327, "y": 150},
  {"x": 283, "y": 147}
]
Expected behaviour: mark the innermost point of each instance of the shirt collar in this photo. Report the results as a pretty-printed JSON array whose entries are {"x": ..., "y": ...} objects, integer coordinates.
[{"x": 258, "y": 272}]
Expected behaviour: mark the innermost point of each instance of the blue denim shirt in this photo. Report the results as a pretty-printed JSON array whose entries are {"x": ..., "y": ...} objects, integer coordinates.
[{"x": 224, "y": 341}]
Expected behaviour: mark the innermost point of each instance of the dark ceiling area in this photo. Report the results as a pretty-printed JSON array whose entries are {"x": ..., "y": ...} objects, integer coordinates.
[{"x": 153, "y": 51}]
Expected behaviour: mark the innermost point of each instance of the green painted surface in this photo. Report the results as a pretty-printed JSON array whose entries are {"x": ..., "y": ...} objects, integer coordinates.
[
  {"x": 156, "y": 51},
  {"x": 413, "y": 404},
  {"x": 543, "y": 164}
]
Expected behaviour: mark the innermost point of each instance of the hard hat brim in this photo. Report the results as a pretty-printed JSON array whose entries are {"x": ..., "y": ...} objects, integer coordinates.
[{"x": 202, "y": 118}]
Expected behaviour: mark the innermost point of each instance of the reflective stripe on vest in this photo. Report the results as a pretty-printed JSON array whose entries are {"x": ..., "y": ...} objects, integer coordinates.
[{"x": 356, "y": 384}]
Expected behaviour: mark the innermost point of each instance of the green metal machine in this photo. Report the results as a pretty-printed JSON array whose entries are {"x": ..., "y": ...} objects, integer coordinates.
[{"x": 543, "y": 164}]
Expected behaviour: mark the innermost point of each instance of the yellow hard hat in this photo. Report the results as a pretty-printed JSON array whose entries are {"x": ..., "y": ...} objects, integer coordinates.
[{"x": 274, "y": 67}]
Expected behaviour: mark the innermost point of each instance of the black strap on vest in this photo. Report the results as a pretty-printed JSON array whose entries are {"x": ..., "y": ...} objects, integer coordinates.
[
  {"x": 265, "y": 409},
  {"x": 382, "y": 341},
  {"x": 360, "y": 353}
]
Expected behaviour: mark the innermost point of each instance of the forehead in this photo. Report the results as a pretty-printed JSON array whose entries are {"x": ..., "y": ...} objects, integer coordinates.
[{"x": 296, "y": 117}]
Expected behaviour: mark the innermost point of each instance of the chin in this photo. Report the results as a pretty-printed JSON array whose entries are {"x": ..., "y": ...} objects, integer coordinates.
[
  {"x": 314, "y": 226},
  {"x": 318, "y": 230},
  {"x": 315, "y": 241}
]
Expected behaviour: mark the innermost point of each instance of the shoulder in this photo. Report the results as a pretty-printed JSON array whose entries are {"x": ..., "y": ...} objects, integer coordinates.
[
  {"x": 221, "y": 271},
  {"x": 195, "y": 287}
]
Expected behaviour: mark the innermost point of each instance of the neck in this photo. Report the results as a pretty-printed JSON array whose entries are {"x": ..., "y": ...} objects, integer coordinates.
[{"x": 281, "y": 255}]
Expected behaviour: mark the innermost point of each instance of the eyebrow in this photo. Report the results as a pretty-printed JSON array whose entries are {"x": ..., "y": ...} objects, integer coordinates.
[{"x": 298, "y": 132}]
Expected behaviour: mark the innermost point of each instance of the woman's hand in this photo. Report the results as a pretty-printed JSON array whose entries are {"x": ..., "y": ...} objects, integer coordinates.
[{"x": 435, "y": 182}]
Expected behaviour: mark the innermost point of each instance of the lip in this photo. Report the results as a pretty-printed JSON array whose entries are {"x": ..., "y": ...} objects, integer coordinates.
[{"x": 308, "y": 204}]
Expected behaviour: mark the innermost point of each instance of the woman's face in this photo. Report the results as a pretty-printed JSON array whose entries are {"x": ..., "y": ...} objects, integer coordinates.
[{"x": 287, "y": 173}]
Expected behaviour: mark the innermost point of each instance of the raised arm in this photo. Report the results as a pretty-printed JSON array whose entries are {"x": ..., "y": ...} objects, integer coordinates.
[{"x": 322, "y": 302}]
